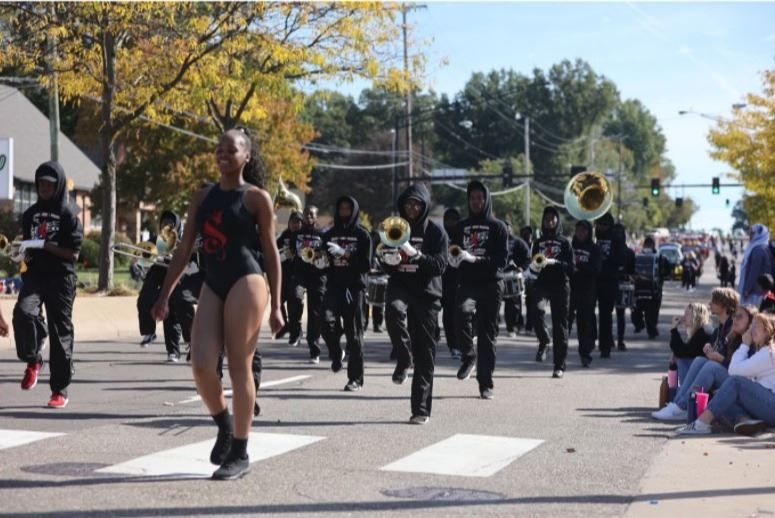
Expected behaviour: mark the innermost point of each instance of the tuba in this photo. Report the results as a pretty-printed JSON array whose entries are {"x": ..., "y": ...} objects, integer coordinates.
[
  {"x": 308, "y": 254},
  {"x": 10, "y": 248},
  {"x": 588, "y": 195},
  {"x": 285, "y": 198},
  {"x": 394, "y": 231}
]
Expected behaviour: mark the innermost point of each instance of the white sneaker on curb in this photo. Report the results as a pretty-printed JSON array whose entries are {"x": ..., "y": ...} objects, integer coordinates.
[
  {"x": 671, "y": 412},
  {"x": 696, "y": 428}
]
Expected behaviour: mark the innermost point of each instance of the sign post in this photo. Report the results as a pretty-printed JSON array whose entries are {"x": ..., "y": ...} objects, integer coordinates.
[{"x": 6, "y": 168}]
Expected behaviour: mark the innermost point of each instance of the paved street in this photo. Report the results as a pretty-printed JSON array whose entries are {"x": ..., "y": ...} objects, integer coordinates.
[{"x": 580, "y": 446}]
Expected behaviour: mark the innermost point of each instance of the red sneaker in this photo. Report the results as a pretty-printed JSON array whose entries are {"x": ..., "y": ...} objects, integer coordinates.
[
  {"x": 58, "y": 400},
  {"x": 31, "y": 375}
]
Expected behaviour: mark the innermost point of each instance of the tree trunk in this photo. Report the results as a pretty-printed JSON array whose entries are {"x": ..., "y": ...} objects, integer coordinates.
[{"x": 107, "y": 136}]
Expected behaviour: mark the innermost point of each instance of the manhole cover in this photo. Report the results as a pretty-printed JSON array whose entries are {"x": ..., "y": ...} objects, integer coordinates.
[
  {"x": 449, "y": 494},
  {"x": 66, "y": 469}
]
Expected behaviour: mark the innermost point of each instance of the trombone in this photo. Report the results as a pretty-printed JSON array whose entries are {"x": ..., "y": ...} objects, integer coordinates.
[{"x": 146, "y": 253}]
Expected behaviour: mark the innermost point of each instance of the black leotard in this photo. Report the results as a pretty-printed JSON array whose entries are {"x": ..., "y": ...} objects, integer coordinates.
[{"x": 230, "y": 244}]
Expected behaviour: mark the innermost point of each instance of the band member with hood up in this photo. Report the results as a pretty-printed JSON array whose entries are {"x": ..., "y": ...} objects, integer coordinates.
[
  {"x": 614, "y": 258},
  {"x": 583, "y": 284},
  {"x": 448, "y": 288},
  {"x": 149, "y": 292},
  {"x": 287, "y": 247},
  {"x": 349, "y": 246},
  {"x": 52, "y": 236},
  {"x": 517, "y": 260},
  {"x": 307, "y": 279},
  {"x": 620, "y": 234},
  {"x": 552, "y": 283},
  {"x": 526, "y": 233},
  {"x": 648, "y": 292},
  {"x": 483, "y": 241},
  {"x": 414, "y": 298}
]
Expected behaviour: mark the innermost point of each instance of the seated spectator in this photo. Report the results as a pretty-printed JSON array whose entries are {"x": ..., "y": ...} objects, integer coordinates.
[
  {"x": 695, "y": 320},
  {"x": 747, "y": 398},
  {"x": 766, "y": 285}
]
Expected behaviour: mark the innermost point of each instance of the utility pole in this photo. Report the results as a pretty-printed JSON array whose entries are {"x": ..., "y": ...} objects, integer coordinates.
[
  {"x": 527, "y": 170},
  {"x": 53, "y": 91},
  {"x": 394, "y": 132},
  {"x": 619, "y": 185},
  {"x": 408, "y": 103}
]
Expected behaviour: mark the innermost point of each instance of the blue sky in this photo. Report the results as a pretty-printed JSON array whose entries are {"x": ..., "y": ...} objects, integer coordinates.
[{"x": 671, "y": 56}]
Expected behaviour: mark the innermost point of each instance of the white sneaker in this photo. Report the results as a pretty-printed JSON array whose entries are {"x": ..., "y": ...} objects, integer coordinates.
[
  {"x": 147, "y": 339},
  {"x": 671, "y": 412},
  {"x": 173, "y": 358},
  {"x": 696, "y": 428},
  {"x": 315, "y": 360}
]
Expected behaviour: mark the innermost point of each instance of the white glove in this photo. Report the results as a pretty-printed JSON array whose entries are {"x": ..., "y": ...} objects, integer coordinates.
[
  {"x": 454, "y": 262},
  {"x": 391, "y": 257},
  {"x": 321, "y": 262},
  {"x": 31, "y": 244},
  {"x": 550, "y": 262},
  {"x": 467, "y": 257},
  {"x": 285, "y": 254},
  {"x": 530, "y": 275},
  {"x": 335, "y": 250},
  {"x": 409, "y": 250},
  {"x": 192, "y": 268}
]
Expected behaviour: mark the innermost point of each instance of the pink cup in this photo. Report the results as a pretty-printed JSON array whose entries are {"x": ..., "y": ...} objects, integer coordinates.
[
  {"x": 702, "y": 402},
  {"x": 672, "y": 378}
]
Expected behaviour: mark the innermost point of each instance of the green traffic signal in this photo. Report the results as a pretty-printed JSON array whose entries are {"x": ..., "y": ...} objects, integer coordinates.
[
  {"x": 716, "y": 186},
  {"x": 655, "y": 188}
]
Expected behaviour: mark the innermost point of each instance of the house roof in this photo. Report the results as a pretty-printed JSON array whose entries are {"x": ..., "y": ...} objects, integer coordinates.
[{"x": 28, "y": 126}]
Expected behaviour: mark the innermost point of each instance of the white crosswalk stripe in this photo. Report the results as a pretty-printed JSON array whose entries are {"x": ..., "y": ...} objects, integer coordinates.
[
  {"x": 12, "y": 438},
  {"x": 465, "y": 455},
  {"x": 193, "y": 460}
]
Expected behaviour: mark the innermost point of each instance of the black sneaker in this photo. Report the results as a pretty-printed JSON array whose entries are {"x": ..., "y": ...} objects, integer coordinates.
[
  {"x": 558, "y": 373},
  {"x": 294, "y": 340},
  {"x": 750, "y": 427},
  {"x": 586, "y": 361},
  {"x": 622, "y": 347},
  {"x": 281, "y": 333},
  {"x": 487, "y": 394},
  {"x": 465, "y": 370},
  {"x": 352, "y": 386},
  {"x": 336, "y": 363},
  {"x": 605, "y": 354},
  {"x": 637, "y": 330},
  {"x": 233, "y": 469},
  {"x": 541, "y": 353},
  {"x": 256, "y": 409},
  {"x": 221, "y": 448},
  {"x": 400, "y": 374},
  {"x": 377, "y": 329}
]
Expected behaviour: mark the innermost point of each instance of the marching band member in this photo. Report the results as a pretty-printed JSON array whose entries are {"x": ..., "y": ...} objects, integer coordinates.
[
  {"x": 526, "y": 233},
  {"x": 480, "y": 259},
  {"x": 52, "y": 236},
  {"x": 448, "y": 288},
  {"x": 349, "y": 246},
  {"x": 518, "y": 260},
  {"x": 377, "y": 312},
  {"x": 287, "y": 247},
  {"x": 307, "y": 278},
  {"x": 620, "y": 235},
  {"x": 413, "y": 298},
  {"x": 650, "y": 303},
  {"x": 552, "y": 282},
  {"x": 614, "y": 257},
  {"x": 583, "y": 285},
  {"x": 235, "y": 218}
]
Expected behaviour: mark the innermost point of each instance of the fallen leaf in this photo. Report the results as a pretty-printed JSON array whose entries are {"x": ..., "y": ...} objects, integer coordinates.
[
  {"x": 570, "y": 450},
  {"x": 706, "y": 453}
]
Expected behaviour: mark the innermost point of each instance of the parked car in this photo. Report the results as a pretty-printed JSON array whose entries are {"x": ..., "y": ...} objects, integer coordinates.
[{"x": 672, "y": 252}]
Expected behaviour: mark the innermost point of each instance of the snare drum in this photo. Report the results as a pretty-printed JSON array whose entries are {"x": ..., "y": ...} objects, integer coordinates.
[
  {"x": 377, "y": 292},
  {"x": 513, "y": 285},
  {"x": 625, "y": 297}
]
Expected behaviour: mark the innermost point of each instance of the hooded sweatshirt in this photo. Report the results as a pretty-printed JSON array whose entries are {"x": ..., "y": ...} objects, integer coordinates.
[
  {"x": 350, "y": 270},
  {"x": 484, "y": 237},
  {"x": 449, "y": 278},
  {"x": 54, "y": 220},
  {"x": 612, "y": 250},
  {"x": 310, "y": 236},
  {"x": 422, "y": 275},
  {"x": 587, "y": 260},
  {"x": 757, "y": 261},
  {"x": 554, "y": 246}
]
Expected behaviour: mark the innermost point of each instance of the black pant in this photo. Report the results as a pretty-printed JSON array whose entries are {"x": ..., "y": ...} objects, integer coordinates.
[
  {"x": 377, "y": 315},
  {"x": 256, "y": 367},
  {"x": 583, "y": 304},
  {"x": 184, "y": 300},
  {"x": 346, "y": 303},
  {"x": 477, "y": 304},
  {"x": 412, "y": 323},
  {"x": 448, "y": 315},
  {"x": 558, "y": 296},
  {"x": 56, "y": 292},
  {"x": 315, "y": 290},
  {"x": 512, "y": 313},
  {"x": 606, "y": 299},
  {"x": 529, "y": 305},
  {"x": 149, "y": 294},
  {"x": 649, "y": 308},
  {"x": 621, "y": 323}
]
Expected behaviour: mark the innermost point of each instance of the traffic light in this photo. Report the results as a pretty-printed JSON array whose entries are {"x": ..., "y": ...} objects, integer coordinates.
[
  {"x": 645, "y": 202},
  {"x": 655, "y": 188},
  {"x": 679, "y": 202},
  {"x": 716, "y": 188},
  {"x": 727, "y": 202},
  {"x": 508, "y": 174}
]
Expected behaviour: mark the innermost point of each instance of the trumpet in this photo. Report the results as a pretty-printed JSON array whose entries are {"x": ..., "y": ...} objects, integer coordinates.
[
  {"x": 285, "y": 198},
  {"x": 455, "y": 253},
  {"x": 394, "y": 231},
  {"x": 308, "y": 255},
  {"x": 539, "y": 262}
]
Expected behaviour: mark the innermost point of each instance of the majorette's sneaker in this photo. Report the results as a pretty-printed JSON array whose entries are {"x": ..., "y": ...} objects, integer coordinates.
[
  {"x": 58, "y": 400},
  {"x": 31, "y": 375}
]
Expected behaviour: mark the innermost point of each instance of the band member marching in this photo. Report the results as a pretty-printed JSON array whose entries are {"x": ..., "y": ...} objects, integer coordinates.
[
  {"x": 413, "y": 297},
  {"x": 518, "y": 260},
  {"x": 52, "y": 236},
  {"x": 526, "y": 233},
  {"x": 648, "y": 288},
  {"x": 307, "y": 278},
  {"x": 349, "y": 245},
  {"x": 614, "y": 258},
  {"x": 583, "y": 284},
  {"x": 479, "y": 252},
  {"x": 448, "y": 289},
  {"x": 552, "y": 265},
  {"x": 620, "y": 235},
  {"x": 287, "y": 246}
]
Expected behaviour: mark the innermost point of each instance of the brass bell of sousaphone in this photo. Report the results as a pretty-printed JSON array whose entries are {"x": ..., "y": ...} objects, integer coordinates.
[
  {"x": 394, "y": 231},
  {"x": 588, "y": 195},
  {"x": 285, "y": 198}
]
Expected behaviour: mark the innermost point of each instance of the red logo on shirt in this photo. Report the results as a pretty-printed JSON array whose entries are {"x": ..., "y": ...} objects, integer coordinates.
[{"x": 214, "y": 241}]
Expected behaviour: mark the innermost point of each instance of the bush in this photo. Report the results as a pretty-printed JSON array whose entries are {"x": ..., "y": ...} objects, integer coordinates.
[
  {"x": 90, "y": 253},
  {"x": 95, "y": 237}
]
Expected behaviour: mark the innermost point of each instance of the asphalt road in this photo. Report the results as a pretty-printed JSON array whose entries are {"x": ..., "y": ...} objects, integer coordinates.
[{"x": 543, "y": 447}]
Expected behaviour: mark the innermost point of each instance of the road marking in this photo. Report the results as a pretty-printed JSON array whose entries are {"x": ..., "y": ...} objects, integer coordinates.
[
  {"x": 193, "y": 460},
  {"x": 465, "y": 455},
  {"x": 12, "y": 438},
  {"x": 264, "y": 384}
]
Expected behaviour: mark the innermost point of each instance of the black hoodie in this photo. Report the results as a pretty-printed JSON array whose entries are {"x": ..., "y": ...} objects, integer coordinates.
[
  {"x": 554, "y": 246},
  {"x": 612, "y": 251},
  {"x": 54, "y": 220},
  {"x": 350, "y": 270},
  {"x": 421, "y": 276},
  {"x": 484, "y": 237},
  {"x": 587, "y": 260},
  {"x": 310, "y": 236}
]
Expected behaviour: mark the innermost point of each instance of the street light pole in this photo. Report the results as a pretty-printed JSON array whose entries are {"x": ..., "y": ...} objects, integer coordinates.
[
  {"x": 527, "y": 171},
  {"x": 619, "y": 185}
]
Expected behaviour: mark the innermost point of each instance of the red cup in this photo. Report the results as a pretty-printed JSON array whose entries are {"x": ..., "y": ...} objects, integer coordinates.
[{"x": 702, "y": 402}]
